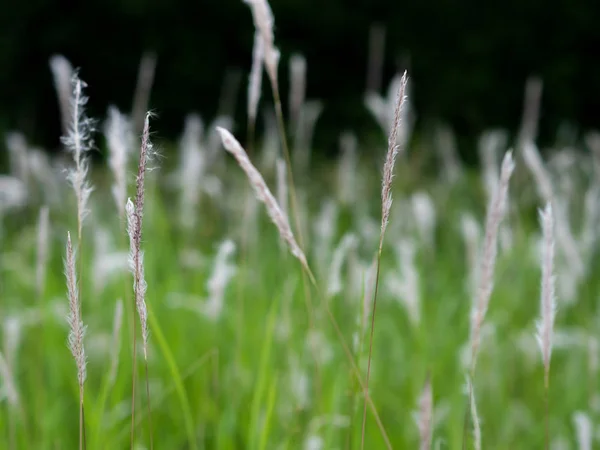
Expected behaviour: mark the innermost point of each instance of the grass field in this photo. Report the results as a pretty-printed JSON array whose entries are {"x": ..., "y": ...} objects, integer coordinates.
[{"x": 245, "y": 352}]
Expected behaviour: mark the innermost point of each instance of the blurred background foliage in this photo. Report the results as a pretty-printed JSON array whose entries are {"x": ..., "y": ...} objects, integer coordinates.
[{"x": 468, "y": 60}]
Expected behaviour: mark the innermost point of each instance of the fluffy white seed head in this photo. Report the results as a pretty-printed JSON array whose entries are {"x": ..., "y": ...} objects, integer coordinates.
[
  {"x": 76, "y": 327},
  {"x": 119, "y": 138},
  {"x": 264, "y": 194},
  {"x": 495, "y": 214},
  {"x": 388, "y": 168},
  {"x": 62, "y": 72},
  {"x": 256, "y": 74},
  {"x": 545, "y": 325}
]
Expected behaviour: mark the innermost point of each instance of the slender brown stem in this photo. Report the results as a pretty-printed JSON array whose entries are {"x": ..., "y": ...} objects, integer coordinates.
[
  {"x": 547, "y": 407},
  {"x": 133, "y": 379},
  {"x": 372, "y": 332},
  {"x": 149, "y": 407},
  {"x": 296, "y": 214},
  {"x": 353, "y": 364}
]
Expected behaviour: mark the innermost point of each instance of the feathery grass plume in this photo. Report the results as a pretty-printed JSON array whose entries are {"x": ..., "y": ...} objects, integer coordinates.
[
  {"x": 376, "y": 57},
  {"x": 545, "y": 325},
  {"x": 141, "y": 97},
  {"x": 263, "y": 22},
  {"x": 191, "y": 170},
  {"x": 255, "y": 85},
  {"x": 425, "y": 216},
  {"x": 78, "y": 141},
  {"x": 304, "y": 132},
  {"x": 386, "y": 205},
  {"x": 62, "y": 72},
  {"x": 119, "y": 139},
  {"x": 495, "y": 213},
  {"x": 135, "y": 215},
  {"x": 223, "y": 272},
  {"x": 264, "y": 195},
  {"x": 45, "y": 176},
  {"x": 76, "y": 333},
  {"x": 448, "y": 153},
  {"x": 297, "y": 88},
  {"x": 18, "y": 155},
  {"x": 42, "y": 250},
  {"x": 564, "y": 235},
  {"x": 424, "y": 417},
  {"x": 548, "y": 300},
  {"x": 348, "y": 242},
  {"x": 347, "y": 168},
  {"x": 390, "y": 161}
]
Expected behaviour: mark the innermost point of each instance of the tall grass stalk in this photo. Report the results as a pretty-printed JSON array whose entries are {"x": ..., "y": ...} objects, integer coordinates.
[
  {"x": 135, "y": 215},
  {"x": 495, "y": 214},
  {"x": 263, "y": 23},
  {"x": 76, "y": 333},
  {"x": 547, "y": 305},
  {"x": 386, "y": 205},
  {"x": 280, "y": 220}
]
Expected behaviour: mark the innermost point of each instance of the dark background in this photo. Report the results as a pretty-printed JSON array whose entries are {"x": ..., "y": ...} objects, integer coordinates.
[{"x": 468, "y": 59}]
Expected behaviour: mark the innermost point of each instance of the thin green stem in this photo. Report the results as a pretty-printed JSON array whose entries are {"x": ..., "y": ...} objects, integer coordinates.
[{"x": 366, "y": 386}]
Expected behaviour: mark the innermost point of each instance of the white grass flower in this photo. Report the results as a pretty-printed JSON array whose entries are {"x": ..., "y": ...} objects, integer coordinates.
[
  {"x": 223, "y": 272},
  {"x": 13, "y": 193},
  {"x": 79, "y": 142},
  {"x": 297, "y": 88},
  {"x": 264, "y": 194},
  {"x": 495, "y": 213},
  {"x": 62, "y": 72},
  {"x": 263, "y": 22},
  {"x": 120, "y": 140},
  {"x": 548, "y": 300},
  {"x": 76, "y": 327},
  {"x": 425, "y": 216},
  {"x": 18, "y": 154},
  {"x": 388, "y": 167},
  {"x": 136, "y": 265},
  {"x": 135, "y": 215},
  {"x": 191, "y": 170},
  {"x": 448, "y": 153},
  {"x": 348, "y": 242},
  {"x": 347, "y": 176},
  {"x": 256, "y": 75},
  {"x": 543, "y": 182},
  {"x": 309, "y": 114}
]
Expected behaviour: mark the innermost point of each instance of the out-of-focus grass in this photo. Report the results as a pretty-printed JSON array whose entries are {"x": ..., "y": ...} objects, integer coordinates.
[{"x": 251, "y": 378}]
